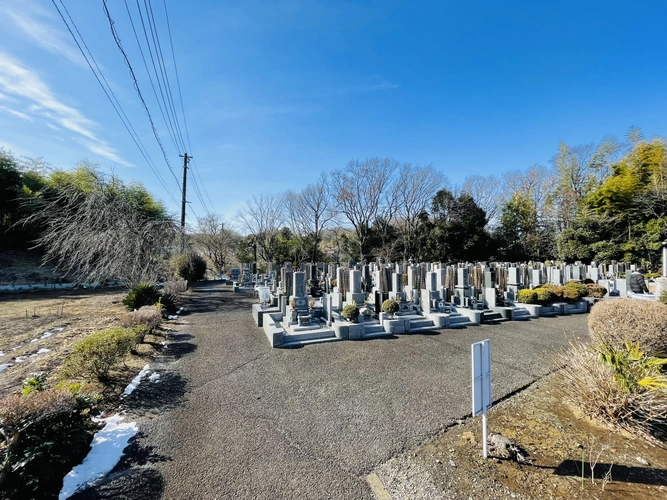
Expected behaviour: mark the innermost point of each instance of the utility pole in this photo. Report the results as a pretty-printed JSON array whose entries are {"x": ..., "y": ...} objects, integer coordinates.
[{"x": 186, "y": 158}]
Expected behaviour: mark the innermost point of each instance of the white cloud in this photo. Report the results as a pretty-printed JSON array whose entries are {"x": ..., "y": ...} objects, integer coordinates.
[
  {"x": 41, "y": 27},
  {"x": 16, "y": 113},
  {"x": 21, "y": 83}
]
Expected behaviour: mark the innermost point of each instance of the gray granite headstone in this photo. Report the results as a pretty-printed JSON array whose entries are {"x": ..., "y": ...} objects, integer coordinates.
[
  {"x": 355, "y": 281},
  {"x": 299, "y": 288}
]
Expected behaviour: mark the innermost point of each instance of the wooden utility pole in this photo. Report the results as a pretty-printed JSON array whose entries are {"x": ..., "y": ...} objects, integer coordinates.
[{"x": 186, "y": 158}]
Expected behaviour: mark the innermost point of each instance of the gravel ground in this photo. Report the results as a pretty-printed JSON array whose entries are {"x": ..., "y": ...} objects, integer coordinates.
[{"x": 233, "y": 418}]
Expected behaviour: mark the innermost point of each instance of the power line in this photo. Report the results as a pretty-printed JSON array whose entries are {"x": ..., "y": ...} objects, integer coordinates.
[
  {"x": 109, "y": 93},
  {"x": 150, "y": 78},
  {"x": 180, "y": 96},
  {"x": 156, "y": 40},
  {"x": 178, "y": 81},
  {"x": 136, "y": 86}
]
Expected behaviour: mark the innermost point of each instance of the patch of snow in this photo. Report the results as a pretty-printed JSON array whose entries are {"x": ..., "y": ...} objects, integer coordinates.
[
  {"x": 4, "y": 367},
  {"x": 154, "y": 377},
  {"x": 135, "y": 382},
  {"x": 43, "y": 350},
  {"x": 172, "y": 317},
  {"x": 105, "y": 452},
  {"x": 164, "y": 344},
  {"x": 179, "y": 311},
  {"x": 2, "y": 353},
  {"x": 20, "y": 359},
  {"x": 34, "y": 340},
  {"x": 58, "y": 329},
  {"x": 45, "y": 335}
]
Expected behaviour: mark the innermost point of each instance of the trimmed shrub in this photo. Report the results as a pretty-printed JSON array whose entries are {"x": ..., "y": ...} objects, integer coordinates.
[
  {"x": 144, "y": 294},
  {"x": 95, "y": 355},
  {"x": 571, "y": 294},
  {"x": 615, "y": 322},
  {"x": 596, "y": 291},
  {"x": 148, "y": 316},
  {"x": 44, "y": 434},
  {"x": 543, "y": 296},
  {"x": 189, "y": 266},
  {"x": 390, "y": 306},
  {"x": 527, "y": 296},
  {"x": 405, "y": 279},
  {"x": 556, "y": 292},
  {"x": 351, "y": 312},
  {"x": 663, "y": 297},
  {"x": 622, "y": 387},
  {"x": 581, "y": 289},
  {"x": 175, "y": 287}
]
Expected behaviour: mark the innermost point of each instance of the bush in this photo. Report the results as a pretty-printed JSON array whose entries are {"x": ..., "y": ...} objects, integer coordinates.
[
  {"x": 167, "y": 303},
  {"x": 596, "y": 291},
  {"x": 649, "y": 276},
  {"x": 144, "y": 294},
  {"x": 390, "y": 306},
  {"x": 189, "y": 266},
  {"x": 543, "y": 296},
  {"x": 527, "y": 296},
  {"x": 663, "y": 297},
  {"x": 175, "y": 287},
  {"x": 44, "y": 434},
  {"x": 556, "y": 291},
  {"x": 351, "y": 312},
  {"x": 571, "y": 294},
  {"x": 405, "y": 279},
  {"x": 623, "y": 387},
  {"x": 95, "y": 355},
  {"x": 615, "y": 322},
  {"x": 148, "y": 316},
  {"x": 581, "y": 289}
]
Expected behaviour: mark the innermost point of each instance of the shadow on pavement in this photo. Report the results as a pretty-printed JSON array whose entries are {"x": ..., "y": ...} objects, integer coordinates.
[{"x": 164, "y": 394}]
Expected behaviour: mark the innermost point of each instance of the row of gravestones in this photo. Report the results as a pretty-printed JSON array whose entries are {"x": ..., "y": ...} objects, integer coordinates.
[{"x": 465, "y": 284}]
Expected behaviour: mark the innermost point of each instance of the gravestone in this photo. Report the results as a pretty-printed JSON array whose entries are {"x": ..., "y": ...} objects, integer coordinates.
[
  {"x": 299, "y": 291},
  {"x": 355, "y": 294}
]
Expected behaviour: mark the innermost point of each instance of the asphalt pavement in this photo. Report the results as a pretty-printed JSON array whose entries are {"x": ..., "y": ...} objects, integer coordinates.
[{"x": 232, "y": 418}]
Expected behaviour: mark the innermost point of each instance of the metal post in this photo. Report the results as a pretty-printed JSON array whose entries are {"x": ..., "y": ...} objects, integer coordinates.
[
  {"x": 485, "y": 451},
  {"x": 664, "y": 259}
]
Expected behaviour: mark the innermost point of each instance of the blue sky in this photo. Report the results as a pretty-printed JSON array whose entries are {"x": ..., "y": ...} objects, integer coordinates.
[{"x": 276, "y": 92}]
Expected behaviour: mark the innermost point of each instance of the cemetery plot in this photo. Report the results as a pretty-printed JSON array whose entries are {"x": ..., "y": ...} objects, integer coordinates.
[{"x": 325, "y": 302}]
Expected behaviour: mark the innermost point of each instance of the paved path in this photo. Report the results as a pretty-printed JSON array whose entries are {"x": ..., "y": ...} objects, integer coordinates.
[{"x": 233, "y": 418}]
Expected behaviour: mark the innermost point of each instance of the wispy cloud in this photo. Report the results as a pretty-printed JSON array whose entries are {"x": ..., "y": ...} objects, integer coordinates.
[
  {"x": 19, "y": 82},
  {"x": 16, "y": 113},
  {"x": 41, "y": 27}
]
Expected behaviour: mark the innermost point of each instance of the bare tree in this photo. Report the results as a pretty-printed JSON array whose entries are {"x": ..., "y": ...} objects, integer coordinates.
[
  {"x": 536, "y": 184},
  {"x": 360, "y": 191},
  {"x": 103, "y": 234},
  {"x": 262, "y": 218},
  {"x": 215, "y": 241},
  {"x": 311, "y": 211},
  {"x": 413, "y": 194},
  {"x": 578, "y": 170},
  {"x": 488, "y": 193}
]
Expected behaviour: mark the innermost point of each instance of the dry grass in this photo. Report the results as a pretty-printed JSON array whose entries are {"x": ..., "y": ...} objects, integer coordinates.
[
  {"x": 66, "y": 316},
  {"x": 614, "y": 322},
  {"x": 176, "y": 287},
  {"x": 148, "y": 316},
  {"x": 591, "y": 386}
]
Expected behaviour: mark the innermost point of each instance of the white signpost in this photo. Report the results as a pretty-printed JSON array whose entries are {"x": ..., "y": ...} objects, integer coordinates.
[{"x": 481, "y": 384}]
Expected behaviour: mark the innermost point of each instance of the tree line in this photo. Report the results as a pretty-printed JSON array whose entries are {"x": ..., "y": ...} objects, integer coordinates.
[{"x": 595, "y": 202}]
